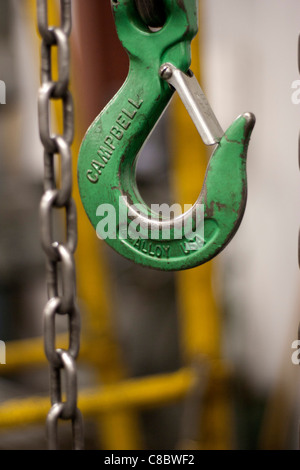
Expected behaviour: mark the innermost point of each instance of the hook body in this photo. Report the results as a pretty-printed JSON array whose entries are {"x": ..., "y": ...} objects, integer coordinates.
[{"x": 108, "y": 154}]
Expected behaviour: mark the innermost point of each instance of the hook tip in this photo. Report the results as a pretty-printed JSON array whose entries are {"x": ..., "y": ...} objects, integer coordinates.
[{"x": 250, "y": 120}]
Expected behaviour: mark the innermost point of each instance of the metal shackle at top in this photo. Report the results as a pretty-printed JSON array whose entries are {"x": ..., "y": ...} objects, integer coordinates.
[
  {"x": 159, "y": 64},
  {"x": 152, "y": 12}
]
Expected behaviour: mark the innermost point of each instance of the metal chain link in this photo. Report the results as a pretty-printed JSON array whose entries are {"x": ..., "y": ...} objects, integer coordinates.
[{"x": 61, "y": 282}]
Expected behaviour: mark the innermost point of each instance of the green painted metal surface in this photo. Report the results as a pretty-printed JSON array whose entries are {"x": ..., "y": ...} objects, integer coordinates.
[{"x": 108, "y": 155}]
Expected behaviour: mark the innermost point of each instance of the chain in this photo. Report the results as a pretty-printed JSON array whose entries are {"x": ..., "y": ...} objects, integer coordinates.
[{"x": 60, "y": 266}]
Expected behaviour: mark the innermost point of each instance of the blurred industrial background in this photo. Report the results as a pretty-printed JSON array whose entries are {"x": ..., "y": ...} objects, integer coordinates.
[{"x": 193, "y": 360}]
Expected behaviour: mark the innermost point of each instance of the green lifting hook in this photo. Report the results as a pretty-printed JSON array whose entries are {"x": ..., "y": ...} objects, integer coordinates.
[{"x": 159, "y": 62}]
